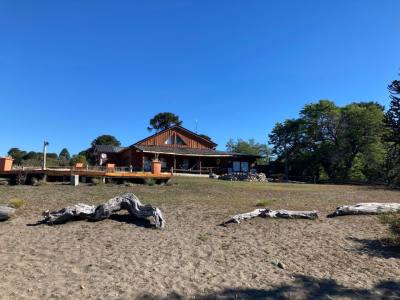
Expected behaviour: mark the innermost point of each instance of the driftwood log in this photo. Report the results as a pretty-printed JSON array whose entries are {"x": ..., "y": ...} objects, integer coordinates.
[
  {"x": 128, "y": 202},
  {"x": 268, "y": 213},
  {"x": 6, "y": 212},
  {"x": 365, "y": 209}
]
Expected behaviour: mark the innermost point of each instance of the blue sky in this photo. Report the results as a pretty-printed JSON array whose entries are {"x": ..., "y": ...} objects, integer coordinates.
[{"x": 72, "y": 70}]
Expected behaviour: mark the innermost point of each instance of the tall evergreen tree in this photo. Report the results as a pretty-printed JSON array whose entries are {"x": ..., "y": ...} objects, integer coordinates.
[
  {"x": 163, "y": 121},
  {"x": 392, "y": 138}
]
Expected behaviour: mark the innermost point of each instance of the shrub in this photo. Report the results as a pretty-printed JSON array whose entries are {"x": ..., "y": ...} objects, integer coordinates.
[
  {"x": 263, "y": 203},
  {"x": 37, "y": 182},
  {"x": 96, "y": 180},
  {"x": 78, "y": 159},
  {"x": 150, "y": 181},
  {"x": 393, "y": 222},
  {"x": 203, "y": 237},
  {"x": 16, "y": 202}
]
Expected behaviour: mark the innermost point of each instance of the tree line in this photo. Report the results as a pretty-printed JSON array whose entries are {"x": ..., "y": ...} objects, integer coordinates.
[{"x": 356, "y": 142}]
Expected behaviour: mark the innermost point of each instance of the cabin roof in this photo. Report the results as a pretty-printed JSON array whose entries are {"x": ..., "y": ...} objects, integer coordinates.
[
  {"x": 188, "y": 151},
  {"x": 107, "y": 149},
  {"x": 179, "y": 128}
]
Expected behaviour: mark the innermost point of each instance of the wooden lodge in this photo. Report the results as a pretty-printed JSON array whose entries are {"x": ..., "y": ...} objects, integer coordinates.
[{"x": 180, "y": 151}]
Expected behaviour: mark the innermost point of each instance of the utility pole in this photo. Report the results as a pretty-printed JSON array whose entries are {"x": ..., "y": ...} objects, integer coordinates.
[{"x": 45, "y": 144}]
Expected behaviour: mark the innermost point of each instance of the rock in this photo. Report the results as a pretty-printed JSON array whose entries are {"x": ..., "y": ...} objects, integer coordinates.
[
  {"x": 256, "y": 177},
  {"x": 280, "y": 265},
  {"x": 4, "y": 181},
  {"x": 6, "y": 212},
  {"x": 213, "y": 176}
]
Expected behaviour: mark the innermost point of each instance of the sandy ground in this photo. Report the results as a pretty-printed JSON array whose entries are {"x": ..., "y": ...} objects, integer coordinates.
[{"x": 193, "y": 257}]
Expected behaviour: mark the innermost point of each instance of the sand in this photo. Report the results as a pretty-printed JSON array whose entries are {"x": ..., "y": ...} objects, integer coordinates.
[{"x": 192, "y": 257}]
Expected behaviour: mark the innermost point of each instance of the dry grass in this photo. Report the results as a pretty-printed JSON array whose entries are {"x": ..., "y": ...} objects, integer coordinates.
[{"x": 16, "y": 202}]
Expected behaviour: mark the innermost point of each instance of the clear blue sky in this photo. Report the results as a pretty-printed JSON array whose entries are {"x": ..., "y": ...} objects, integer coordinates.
[{"x": 72, "y": 70}]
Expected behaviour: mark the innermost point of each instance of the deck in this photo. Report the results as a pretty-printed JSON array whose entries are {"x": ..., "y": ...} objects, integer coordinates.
[{"x": 89, "y": 173}]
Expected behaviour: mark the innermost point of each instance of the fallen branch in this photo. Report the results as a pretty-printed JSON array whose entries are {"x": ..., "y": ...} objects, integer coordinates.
[
  {"x": 365, "y": 209},
  {"x": 268, "y": 213},
  {"x": 128, "y": 202},
  {"x": 6, "y": 212}
]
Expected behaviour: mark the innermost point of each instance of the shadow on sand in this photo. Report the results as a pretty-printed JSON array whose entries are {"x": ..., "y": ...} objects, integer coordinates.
[
  {"x": 303, "y": 287},
  {"x": 378, "y": 248}
]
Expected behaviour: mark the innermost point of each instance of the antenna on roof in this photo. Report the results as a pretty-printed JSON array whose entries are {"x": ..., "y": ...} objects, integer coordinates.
[{"x": 196, "y": 125}]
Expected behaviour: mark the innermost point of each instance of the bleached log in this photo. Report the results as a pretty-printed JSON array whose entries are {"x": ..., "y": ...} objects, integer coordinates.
[
  {"x": 268, "y": 213},
  {"x": 128, "y": 202},
  {"x": 6, "y": 212},
  {"x": 78, "y": 211},
  {"x": 365, "y": 209}
]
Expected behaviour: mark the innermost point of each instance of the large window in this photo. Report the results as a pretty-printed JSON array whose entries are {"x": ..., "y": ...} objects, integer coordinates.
[
  {"x": 179, "y": 141},
  {"x": 174, "y": 140},
  {"x": 170, "y": 140}
]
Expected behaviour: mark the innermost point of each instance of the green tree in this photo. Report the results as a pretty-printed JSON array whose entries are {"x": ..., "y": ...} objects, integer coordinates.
[
  {"x": 64, "y": 153},
  {"x": 163, "y": 121},
  {"x": 328, "y": 138},
  {"x": 78, "y": 159},
  {"x": 250, "y": 147},
  {"x": 287, "y": 141},
  {"x": 392, "y": 136},
  {"x": 16, "y": 154},
  {"x": 64, "y": 157},
  {"x": 106, "y": 139}
]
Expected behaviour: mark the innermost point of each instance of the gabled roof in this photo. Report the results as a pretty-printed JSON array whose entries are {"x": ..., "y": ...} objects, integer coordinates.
[
  {"x": 180, "y": 128},
  {"x": 107, "y": 149},
  {"x": 188, "y": 151}
]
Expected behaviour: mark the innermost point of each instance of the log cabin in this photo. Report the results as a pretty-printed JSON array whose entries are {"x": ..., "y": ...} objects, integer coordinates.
[{"x": 180, "y": 151}]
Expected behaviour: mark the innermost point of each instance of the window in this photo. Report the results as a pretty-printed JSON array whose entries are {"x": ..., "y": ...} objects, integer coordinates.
[
  {"x": 179, "y": 140},
  {"x": 170, "y": 140},
  {"x": 174, "y": 139},
  {"x": 244, "y": 166},
  {"x": 236, "y": 166}
]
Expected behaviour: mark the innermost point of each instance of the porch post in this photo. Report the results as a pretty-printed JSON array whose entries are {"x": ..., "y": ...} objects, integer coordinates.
[
  {"x": 174, "y": 162},
  {"x": 200, "y": 164}
]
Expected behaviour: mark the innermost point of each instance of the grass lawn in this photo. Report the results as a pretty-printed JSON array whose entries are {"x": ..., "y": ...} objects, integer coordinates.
[{"x": 193, "y": 256}]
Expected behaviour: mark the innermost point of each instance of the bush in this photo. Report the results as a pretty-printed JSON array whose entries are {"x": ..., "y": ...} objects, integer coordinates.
[
  {"x": 150, "y": 181},
  {"x": 393, "y": 222},
  {"x": 78, "y": 159},
  {"x": 16, "y": 202},
  {"x": 37, "y": 182},
  {"x": 263, "y": 203},
  {"x": 96, "y": 180}
]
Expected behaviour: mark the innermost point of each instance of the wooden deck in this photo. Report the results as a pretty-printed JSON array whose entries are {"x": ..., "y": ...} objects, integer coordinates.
[{"x": 31, "y": 172}]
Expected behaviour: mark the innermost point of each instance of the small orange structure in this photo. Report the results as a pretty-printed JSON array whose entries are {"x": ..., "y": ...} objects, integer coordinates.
[
  {"x": 110, "y": 167},
  {"x": 79, "y": 166},
  {"x": 156, "y": 167},
  {"x": 6, "y": 163}
]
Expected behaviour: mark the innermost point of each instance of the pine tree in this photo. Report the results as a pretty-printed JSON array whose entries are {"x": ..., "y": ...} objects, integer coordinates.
[{"x": 392, "y": 138}]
